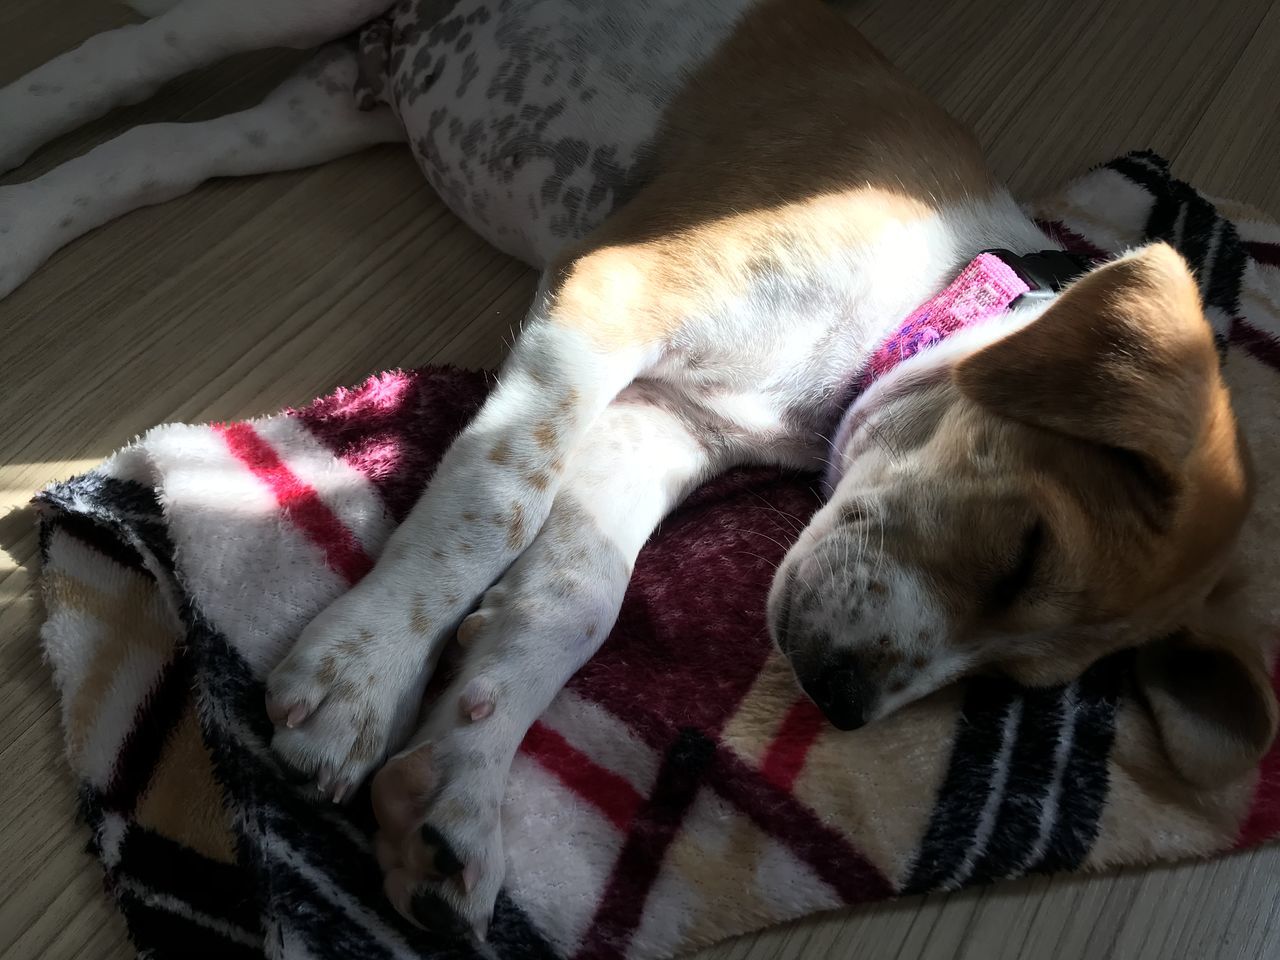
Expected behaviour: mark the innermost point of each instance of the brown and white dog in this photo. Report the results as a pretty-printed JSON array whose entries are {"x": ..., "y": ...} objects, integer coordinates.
[{"x": 734, "y": 203}]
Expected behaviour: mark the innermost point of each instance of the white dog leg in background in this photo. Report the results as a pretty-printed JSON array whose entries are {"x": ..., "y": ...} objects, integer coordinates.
[
  {"x": 129, "y": 64},
  {"x": 311, "y": 118}
]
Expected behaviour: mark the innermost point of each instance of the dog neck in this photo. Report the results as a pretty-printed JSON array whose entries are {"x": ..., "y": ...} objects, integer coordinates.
[{"x": 996, "y": 291}]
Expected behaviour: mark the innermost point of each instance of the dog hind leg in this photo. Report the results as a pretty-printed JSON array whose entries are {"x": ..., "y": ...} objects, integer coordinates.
[
  {"x": 311, "y": 118},
  {"x": 127, "y": 65}
]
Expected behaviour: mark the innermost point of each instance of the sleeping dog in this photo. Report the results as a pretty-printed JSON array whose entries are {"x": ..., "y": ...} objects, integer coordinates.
[{"x": 759, "y": 244}]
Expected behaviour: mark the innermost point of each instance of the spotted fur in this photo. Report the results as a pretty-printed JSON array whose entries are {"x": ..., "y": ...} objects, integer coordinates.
[{"x": 535, "y": 119}]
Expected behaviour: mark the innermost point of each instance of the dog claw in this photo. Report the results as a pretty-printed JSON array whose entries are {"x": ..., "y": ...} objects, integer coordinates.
[
  {"x": 286, "y": 715},
  {"x": 470, "y": 876},
  {"x": 469, "y": 627},
  {"x": 275, "y": 712}
]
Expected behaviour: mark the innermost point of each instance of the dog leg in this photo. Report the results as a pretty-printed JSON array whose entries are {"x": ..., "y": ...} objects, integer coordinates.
[
  {"x": 309, "y": 119},
  {"x": 349, "y": 691},
  {"x": 129, "y": 64},
  {"x": 437, "y": 801}
]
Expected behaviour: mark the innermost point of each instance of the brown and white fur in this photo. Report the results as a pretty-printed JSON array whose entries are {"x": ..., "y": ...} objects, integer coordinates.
[{"x": 1029, "y": 496}]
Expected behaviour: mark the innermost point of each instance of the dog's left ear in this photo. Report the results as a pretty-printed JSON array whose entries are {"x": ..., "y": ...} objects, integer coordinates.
[
  {"x": 1213, "y": 704},
  {"x": 1123, "y": 358}
]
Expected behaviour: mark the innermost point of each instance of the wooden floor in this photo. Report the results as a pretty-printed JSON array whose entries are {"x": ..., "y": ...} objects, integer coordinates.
[{"x": 247, "y": 296}]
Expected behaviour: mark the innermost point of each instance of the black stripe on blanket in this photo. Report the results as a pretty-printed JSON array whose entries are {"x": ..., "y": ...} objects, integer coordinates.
[
  {"x": 1186, "y": 220},
  {"x": 984, "y": 723},
  {"x": 1035, "y": 767},
  {"x": 92, "y": 535},
  {"x": 320, "y": 884},
  {"x": 1026, "y": 781},
  {"x": 125, "y": 509},
  {"x": 308, "y": 855},
  {"x": 162, "y": 931},
  {"x": 519, "y": 938},
  {"x": 99, "y": 493},
  {"x": 1085, "y": 780},
  {"x": 302, "y": 914},
  {"x": 1227, "y": 278},
  {"x": 212, "y": 888},
  {"x": 144, "y": 744}
]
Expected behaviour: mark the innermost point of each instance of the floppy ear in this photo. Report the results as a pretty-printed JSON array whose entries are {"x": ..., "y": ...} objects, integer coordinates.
[
  {"x": 1123, "y": 358},
  {"x": 1213, "y": 704}
]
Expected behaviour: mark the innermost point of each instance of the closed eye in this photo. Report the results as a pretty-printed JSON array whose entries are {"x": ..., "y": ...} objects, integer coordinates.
[{"x": 1003, "y": 592}]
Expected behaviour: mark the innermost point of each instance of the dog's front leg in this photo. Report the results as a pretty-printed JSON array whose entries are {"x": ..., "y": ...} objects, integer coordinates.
[
  {"x": 438, "y": 800},
  {"x": 349, "y": 691},
  {"x": 127, "y": 65}
]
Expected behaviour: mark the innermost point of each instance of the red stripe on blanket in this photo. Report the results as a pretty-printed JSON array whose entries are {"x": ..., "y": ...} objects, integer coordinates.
[
  {"x": 657, "y": 824},
  {"x": 784, "y": 757},
  {"x": 826, "y": 851},
  {"x": 299, "y": 501},
  {"x": 1263, "y": 822},
  {"x": 612, "y": 795},
  {"x": 1268, "y": 253}
]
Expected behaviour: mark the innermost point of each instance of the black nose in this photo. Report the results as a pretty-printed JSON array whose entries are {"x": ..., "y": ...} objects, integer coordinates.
[{"x": 842, "y": 692}]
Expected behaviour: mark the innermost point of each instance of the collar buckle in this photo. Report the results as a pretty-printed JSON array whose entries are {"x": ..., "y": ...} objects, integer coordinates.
[{"x": 1046, "y": 272}]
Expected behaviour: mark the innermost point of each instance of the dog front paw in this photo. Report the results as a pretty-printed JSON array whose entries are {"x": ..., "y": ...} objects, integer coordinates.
[{"x": 348, "y": 692}]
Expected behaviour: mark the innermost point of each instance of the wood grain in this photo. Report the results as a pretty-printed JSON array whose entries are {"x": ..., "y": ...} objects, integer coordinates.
[{"x": 246, "y": 296}]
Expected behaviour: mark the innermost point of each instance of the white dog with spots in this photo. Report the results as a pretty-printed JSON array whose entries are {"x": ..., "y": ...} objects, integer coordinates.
[{"x": 736, "y": 203}]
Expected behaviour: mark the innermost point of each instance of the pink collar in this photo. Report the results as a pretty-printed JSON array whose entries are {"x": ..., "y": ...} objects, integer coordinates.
[{"x": 986, "y": 288}]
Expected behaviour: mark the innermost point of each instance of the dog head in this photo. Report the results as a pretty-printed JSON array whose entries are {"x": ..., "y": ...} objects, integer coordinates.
[{"x": 1070, "y": 489}]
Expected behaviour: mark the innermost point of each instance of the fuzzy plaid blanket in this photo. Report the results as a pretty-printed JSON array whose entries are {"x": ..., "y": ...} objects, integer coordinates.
[{"x": 679, "y": 791}]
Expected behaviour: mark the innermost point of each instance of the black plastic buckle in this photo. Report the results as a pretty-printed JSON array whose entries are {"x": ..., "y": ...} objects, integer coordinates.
[{"x": 1046, "y": 272}]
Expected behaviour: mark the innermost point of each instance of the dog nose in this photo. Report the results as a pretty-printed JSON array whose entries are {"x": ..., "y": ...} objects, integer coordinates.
[{"x": 842, "y": 692}]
